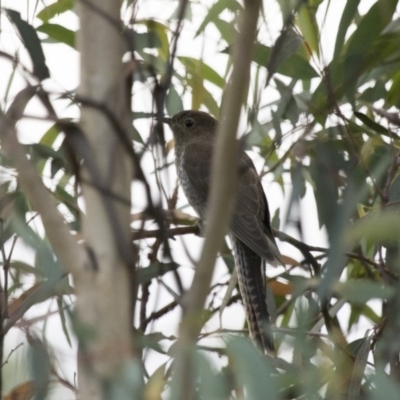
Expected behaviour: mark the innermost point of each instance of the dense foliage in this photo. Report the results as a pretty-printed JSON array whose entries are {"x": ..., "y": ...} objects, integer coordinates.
[{"x": 323, "y": 122}]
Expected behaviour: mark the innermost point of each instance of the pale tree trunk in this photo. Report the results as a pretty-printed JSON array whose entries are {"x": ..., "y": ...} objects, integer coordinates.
[{"x": 104, "y": 303}]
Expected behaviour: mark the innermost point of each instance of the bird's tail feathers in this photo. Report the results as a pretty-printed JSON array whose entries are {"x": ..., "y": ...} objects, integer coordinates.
[{"x": 252, "y": 283}]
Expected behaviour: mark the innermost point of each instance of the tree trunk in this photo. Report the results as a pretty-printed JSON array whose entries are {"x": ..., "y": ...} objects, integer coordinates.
[{"x": 104, "y": 306}]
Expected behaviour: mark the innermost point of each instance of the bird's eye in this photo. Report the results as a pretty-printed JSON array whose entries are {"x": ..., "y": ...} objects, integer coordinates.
[{"x": 189, "y": 122}]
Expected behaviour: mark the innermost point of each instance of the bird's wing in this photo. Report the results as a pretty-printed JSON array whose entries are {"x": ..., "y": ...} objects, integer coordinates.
[{"x": 250, "y": 222}]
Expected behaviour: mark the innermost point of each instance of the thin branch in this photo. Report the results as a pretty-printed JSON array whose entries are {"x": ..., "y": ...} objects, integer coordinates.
[
  {"x": 10, "y": 354},
  {"x": 171, "y": 233},
  {"x": 161, "y": 312},
  {"x": 223, "y": 184},
  {"x": 70, "y": 254}
]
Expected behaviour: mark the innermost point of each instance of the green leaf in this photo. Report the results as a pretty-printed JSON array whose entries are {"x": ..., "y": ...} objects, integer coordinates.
[
  {"x": 143, "y": 40},
  {"x": 347, "y": 17},
  {"x": 226, "y": 29},
  {"x": 58, "y": 33},
  {"x": 374, "y": 93},
  {"x": 370, "y": 123},
  {"x": 326, "y": 161},
  {"x": 188, "y": 12},
  {"x": 252, "y": 370},
  {"x": 359, "y": 368},
  {"x": 210, "y": 385},
  {"x": 210, "y": 102},
  {"x": 361, "y": 291},
  {"x": 68, "y": 200},
  {"x": 295, "y": 66},
  {"x": 59, "y": 7},
  {"x": 383, "y": 387},
  {"x": 393, "y": 95},
  {"x": 32, "y": 43},
  {"x": 174, "y": 102},
  {"x": 376, "y": 227},
  {"x": 61, "y": 311},
  {"x": 285, "y": 46},
  {"x": 369, "y": 313},
  {"x": 154, "y": 270},
  {"x": 200, "y": 68},
  {"x": 216, "y": 10},
  {"x": 50, "y": 136},
  {"x": 307, "y": 22},
  {"x": 136, "y": 135},
  {"x": 161, "y": 31},
  {"x": 287, "y": 107},
  {"x": 25, "y": 268},
  {"x": 371, "y": 25},
  {"x": 39, "y": 366}
]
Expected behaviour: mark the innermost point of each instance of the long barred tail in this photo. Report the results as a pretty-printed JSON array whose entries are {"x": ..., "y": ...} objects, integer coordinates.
[{"x": 251, "y": 277}]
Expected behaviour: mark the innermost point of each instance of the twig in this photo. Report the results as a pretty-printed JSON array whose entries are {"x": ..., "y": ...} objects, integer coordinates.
[
  {"x": 64, "y": 381},
  {"x": 161, "y": 312},
  {"x": 156, "y": 233},
  {"x": 10, "y": 354}
]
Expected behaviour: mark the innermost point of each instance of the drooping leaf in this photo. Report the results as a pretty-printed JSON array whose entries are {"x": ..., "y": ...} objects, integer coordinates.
[
  {"x": 360, "y": 292},
  {"x": 216, "y": 10},
  {"x": 54, "y": 9},
  {"x": 285, "y": 46},
  {"x": 252, "y": 370},
  {"x": 58, "y": 33},
  {"x": 210, "y": 102},
  {"x": 139, "y": 41},
  {"x": 384, "y": 387},
  {"x": 156, "y": 383},
  {"x": 199, "y": 67},
  {"x": 378, "y": 227},
  {"x": 370, "y": 123},
  {"x": 161, "y": 32},
  {"x": 226, "y": 29},
  {"x": 209, "y": 383},
  {"x": 187, "y": 14},
  {"x": 358, "y": 368},
  {"x": 295, "y": 66},
  {"x": 287, "y": 107},
  {"x": 40, "y": 367},
  {"x": 371, "y": 25},
  {"x": 393, "y": 95},
  {"x": 307, "y": 22},
  {"x": 60, "y": 304},
  {"x": 32, "y": 44},
  {"x": 174, "y": 101},
  {"x": 347, "y": 17},
  {"x": 154, "y": 270}
]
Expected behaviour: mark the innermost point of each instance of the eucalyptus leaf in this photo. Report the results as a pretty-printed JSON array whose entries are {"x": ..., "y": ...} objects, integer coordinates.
[
  {"x": 32, "y": 43},
  {"x": 285, "y": 46},
  {"x": 362, "y": 291},
  {"x": 58, "y": 33},
  {"x": 252, "y": 370},
  {"x": 154, "y": 270},
  {"x": 55, "y": 9}
]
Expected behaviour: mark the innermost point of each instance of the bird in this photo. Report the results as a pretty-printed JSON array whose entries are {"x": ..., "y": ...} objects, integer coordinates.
[{"x": 250, "y": 230}]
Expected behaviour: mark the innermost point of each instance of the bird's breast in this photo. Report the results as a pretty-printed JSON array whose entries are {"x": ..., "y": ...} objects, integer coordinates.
[{"x": 195, "y": 198}]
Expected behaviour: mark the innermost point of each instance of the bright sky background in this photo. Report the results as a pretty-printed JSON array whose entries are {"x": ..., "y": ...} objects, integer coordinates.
[{"x": 63, "y": 63}]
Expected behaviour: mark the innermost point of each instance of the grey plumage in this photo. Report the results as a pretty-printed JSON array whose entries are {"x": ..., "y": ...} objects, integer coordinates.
[{"x": 250, "y": 230}]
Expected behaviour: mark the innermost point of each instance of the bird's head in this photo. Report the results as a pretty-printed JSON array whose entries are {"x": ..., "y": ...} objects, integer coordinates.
[{"x": 188, "y": 125}]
